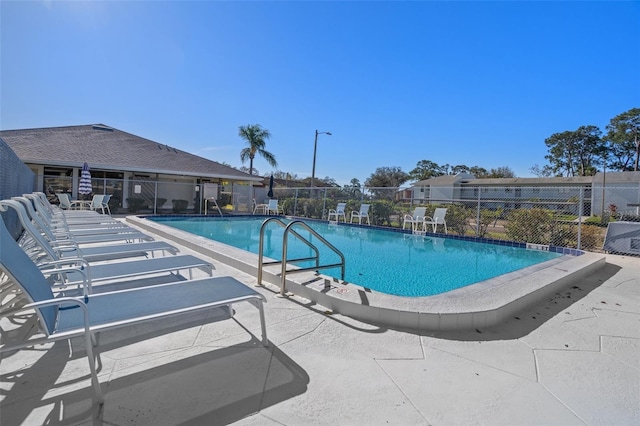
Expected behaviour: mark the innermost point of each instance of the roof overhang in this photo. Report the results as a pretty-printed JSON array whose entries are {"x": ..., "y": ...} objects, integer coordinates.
[{"x": 142, "y": 170}]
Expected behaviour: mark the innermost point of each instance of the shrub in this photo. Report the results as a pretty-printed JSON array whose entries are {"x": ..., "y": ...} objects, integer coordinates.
[
  {"x": 457, "y": 217},
  {"x": 529, "y": 225},
  {"x": 381, "y": 211}
]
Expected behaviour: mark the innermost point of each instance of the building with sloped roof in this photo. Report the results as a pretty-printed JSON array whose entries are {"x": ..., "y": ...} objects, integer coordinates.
[
  {"x": 623, "y": 191},
  {"x": 127, "y": 166}
]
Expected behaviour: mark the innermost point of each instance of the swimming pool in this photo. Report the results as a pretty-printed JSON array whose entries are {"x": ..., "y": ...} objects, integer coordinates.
[{"x": 385, "y": 261}]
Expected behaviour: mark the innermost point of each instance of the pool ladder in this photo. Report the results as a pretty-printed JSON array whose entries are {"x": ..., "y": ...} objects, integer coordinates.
[{"x": 288, "y": 229}]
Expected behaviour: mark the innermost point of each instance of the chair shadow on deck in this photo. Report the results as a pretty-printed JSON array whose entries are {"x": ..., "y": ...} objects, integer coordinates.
[{"x": 208, "y": 383}]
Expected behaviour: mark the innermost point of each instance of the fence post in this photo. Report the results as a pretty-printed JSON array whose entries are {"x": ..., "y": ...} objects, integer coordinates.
[
  {"x": 478, "y": 215},
  {"x": 155, "y": 196},
  {"x": 324, "y": 202},
  {"x": 295, "y": 202},
  {"x": 580, "y": 207}
]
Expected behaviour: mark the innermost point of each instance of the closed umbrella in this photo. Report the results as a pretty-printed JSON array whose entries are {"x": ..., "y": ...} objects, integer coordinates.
[
  {"x": 270, "y": 193},
  {"x": 84, "y": 187}
]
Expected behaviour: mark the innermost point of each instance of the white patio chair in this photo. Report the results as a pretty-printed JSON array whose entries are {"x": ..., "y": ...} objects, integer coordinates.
[
  {"x": 414, "y": 219},
  {"x": 96, "y": 203},
  {"x": 337, "y": 212},
  {"x": 259, "y": 208},
  {"x": 274, "y": 208},
  {"x": 105, "y": 203},
  {"x": 66, "y": 203},
  {"x": 361, "y": 214},
  {"x": 437, "y": 219}
]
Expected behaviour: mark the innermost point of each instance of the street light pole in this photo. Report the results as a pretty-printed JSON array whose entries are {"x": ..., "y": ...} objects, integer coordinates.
[{"x": 315, "y": 148}]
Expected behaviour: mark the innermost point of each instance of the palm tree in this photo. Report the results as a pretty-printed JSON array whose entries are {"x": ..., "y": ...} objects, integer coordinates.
[{"x": 255, "y": 136}]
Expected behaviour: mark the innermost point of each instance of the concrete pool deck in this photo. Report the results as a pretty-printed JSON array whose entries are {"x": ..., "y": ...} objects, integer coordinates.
[{"x": 573, "y": 358}]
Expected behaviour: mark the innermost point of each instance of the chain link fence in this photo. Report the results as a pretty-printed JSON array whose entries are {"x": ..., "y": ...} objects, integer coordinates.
[
  {"x": 574, "y": 217},
  {"x": 557, "y": 216}
]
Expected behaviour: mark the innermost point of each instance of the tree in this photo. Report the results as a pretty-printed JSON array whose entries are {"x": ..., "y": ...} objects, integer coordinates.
[
  {"x": 386, "y": 177},
  {"x": 501, "y": 172},
  {"x": 252, "y": 171},
  {"x": 425, "y": 169},
  {"x": 255, "y": 136},
  {"x": 575, "y": 153},
  {"x": 461, "y": 168},
  {"x": 545, "y": 171},
  {"x": 279, "y": 174},
  {"x": 329, "y": 181},
  {"x": 479, "y": 172},
  {"x": 353, "y": 188},
  {"x": 624, "y": 144}
]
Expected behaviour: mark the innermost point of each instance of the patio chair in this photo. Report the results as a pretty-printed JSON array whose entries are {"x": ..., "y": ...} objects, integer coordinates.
[
  {"x": 96, "y": 203},
  {"x": 62, "y": 318},
  {"x": 274, "y": 208},
  {"x": 262, "y": 208},
  {"x": 337, "y": 212},
  {"x": 66, "y": 203},
  {"x": 437, "y": 219},
  {"x": 105, "y": 203},
  {"x": 414, "y": 219},
  {"x": 361, "y": 214}
]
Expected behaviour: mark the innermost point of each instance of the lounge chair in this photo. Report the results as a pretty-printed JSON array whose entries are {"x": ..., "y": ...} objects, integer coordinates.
[
  {"x": 90, "y": 254},
  {"x": 70, "y": 271},
  {"x": 416, "y": 218},
  {"x": 72, "y": 218},
  {"x": 274, "y": 208},
  {"x": 91, "y": 275},
  {"x": 62, "y": 233},
  {"x": 64, "y": 318},
  {"x": 361, "y": 214},
  {"x": 437, "y": 219},
  {"x": 337, "y": 212}
]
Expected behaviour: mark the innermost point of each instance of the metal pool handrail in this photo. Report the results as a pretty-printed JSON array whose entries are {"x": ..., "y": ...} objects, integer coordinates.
[{"x": 284, "y": 261}]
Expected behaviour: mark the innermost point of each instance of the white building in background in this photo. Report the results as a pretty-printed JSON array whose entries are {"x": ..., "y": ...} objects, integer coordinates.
[{"x": 621, "y": 189}]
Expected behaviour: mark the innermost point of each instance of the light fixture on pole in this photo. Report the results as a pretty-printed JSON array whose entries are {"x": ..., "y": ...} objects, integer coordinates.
[{"x": 315, "y": 147}]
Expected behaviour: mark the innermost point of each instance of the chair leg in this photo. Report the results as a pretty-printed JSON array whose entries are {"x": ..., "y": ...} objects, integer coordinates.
[{"x": 99, "y": 396}]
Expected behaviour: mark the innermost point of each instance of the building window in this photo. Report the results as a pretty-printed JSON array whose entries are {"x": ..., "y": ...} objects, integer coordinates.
[{"x": 57, "y": 179}]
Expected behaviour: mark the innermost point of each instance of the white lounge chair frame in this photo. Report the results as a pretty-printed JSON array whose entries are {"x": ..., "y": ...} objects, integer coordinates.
[{"x": 68, "y": 317}]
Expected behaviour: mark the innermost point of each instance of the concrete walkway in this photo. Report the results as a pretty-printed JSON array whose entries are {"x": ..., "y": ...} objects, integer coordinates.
[{"x": 572, "y": 360}]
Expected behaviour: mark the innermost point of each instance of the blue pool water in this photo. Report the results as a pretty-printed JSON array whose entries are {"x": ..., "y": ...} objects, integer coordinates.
[{"x": 385, "y": 261}]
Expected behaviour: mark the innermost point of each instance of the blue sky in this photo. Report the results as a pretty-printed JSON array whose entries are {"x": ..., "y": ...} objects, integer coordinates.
[{"x": 474, "y": 83}]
